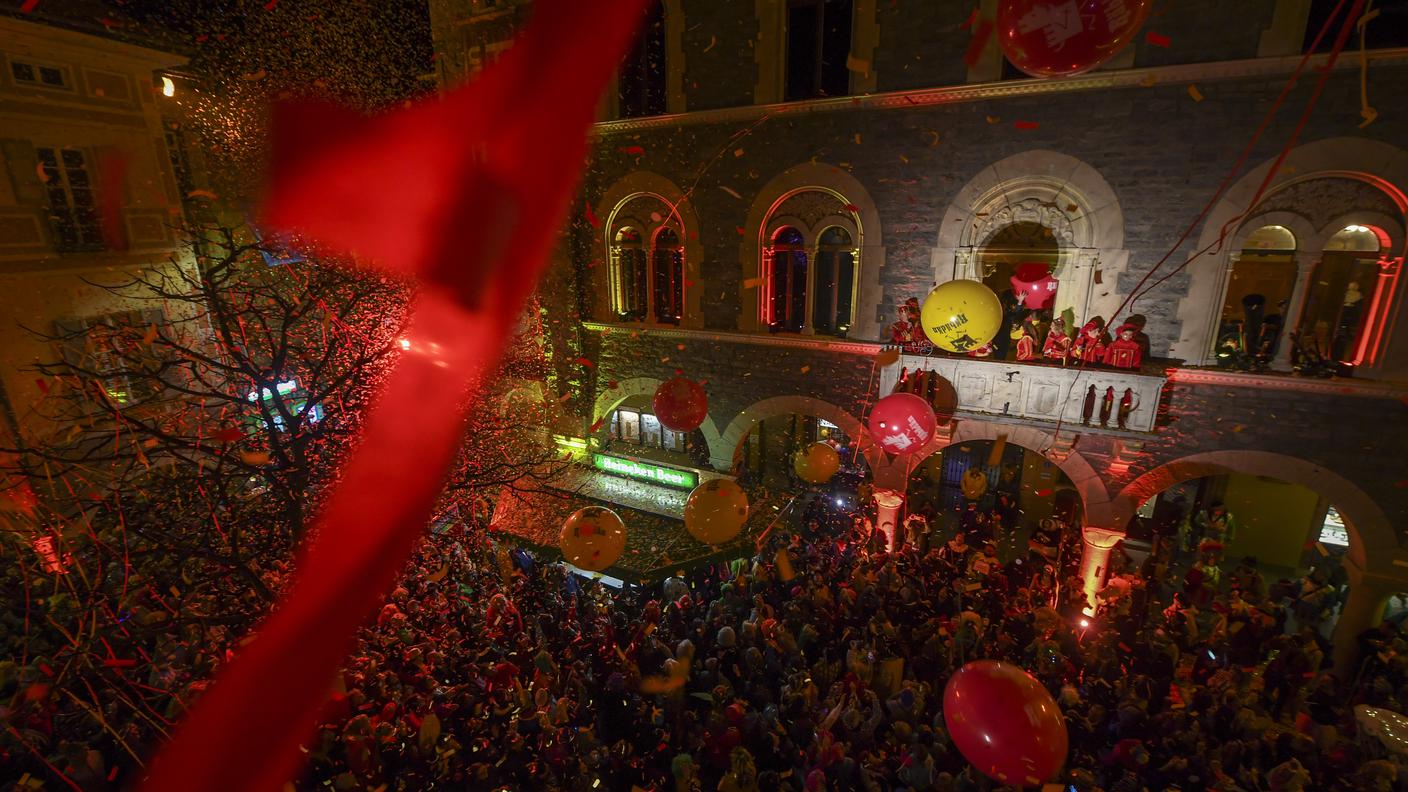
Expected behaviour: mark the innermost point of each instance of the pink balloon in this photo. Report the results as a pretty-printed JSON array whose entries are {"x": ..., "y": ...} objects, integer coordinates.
[
  {"x": 1005, "y": 723},
  {"x": 1056, "y": 38},
  {"x": 902, "y": 423},
  {"x": 1035, "y": 284}
]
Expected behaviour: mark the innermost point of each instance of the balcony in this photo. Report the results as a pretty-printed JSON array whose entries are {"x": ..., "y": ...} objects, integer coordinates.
[{"x": 1039, "y": 392}]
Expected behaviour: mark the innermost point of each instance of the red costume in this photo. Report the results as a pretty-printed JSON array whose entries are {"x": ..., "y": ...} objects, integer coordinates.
[
  {"x": 1026, "y": 342},
  {"x": 1090, "y": 346},
  {"x": 1058, "y": 344},
  {"x": 1125, "y": 352}
]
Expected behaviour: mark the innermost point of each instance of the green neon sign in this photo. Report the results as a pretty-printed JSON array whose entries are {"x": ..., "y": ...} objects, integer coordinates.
[{"x": 644, "y": 471}]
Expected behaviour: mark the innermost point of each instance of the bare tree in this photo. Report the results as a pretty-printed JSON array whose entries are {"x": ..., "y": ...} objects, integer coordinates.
[{"x": 187, "y": 443}]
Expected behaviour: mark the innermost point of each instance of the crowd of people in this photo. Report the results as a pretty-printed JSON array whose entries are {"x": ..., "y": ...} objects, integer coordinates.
[{"x": 818, "y": 664}]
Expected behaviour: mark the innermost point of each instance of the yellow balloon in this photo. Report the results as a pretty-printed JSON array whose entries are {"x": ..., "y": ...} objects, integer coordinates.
[
  {"x": 961, "y": 315},
  {"x": 716, "y": 511},
  {"x": 817, "y": 463},
  {"x": 974, "y": 484},
  {"x": 593, "y": 538}
]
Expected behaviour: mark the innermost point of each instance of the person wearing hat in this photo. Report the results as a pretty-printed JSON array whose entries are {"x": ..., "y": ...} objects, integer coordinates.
[
  {"x": 1124, "y": 352},
  {"x": 906, "y": 329}
]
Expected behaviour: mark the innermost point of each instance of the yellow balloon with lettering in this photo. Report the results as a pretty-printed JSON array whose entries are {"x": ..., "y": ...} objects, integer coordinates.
[
  {"x": 593, "y": 538},
  {"x": 961, "y": 315},
  {"x": 817, "y": 463},
  {"x": 716, "y": 511}
]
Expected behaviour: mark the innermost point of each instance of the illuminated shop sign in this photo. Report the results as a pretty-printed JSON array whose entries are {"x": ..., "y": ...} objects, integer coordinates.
[{"x": 645, "y": 471}]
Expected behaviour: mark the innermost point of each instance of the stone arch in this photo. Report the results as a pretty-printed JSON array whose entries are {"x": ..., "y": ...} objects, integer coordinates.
[
  {"x": 1308, "y": 237},
  {"x": 1372, "y": 541},
  {"x": 833, "y": 180},
  {"x": 679, "y": 213},
  {"x": 639, "y": 387},
  {"x": 754, "y": 414},
  {"x": 1393, "y": 226},
  {"x": 1095, "y": 500},
  {"x": 1062, "y": 193},
  {"x": 1370, "y": 162}
]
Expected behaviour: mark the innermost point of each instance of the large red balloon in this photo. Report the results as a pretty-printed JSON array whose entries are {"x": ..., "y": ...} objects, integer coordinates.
[
  {"x": 680, "y": 404},
  {"x": 1057, "y": 38},
  {"x": 1005, "y": 723},
  {"x": 902, "y": 423},
  {"x": 1035, "y": 285}
]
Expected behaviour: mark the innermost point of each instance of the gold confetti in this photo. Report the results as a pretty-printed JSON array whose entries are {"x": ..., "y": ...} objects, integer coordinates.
[
  {"x": 805, "y": 369},
  {"x": 994, "y": 119},
  {"x": 1195, "y": 93},
  {"x": 255, "y": 458},
  {"x": 738, "y": 152},
  {"x": 752, "y": 283},
  {"x": 858, "y": 65},
  {"x": 857, "y": 138},
  {"x": 713, "y": 40}
]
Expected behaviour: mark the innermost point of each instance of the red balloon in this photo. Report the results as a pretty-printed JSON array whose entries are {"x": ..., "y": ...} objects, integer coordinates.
[
  {"x": 902, "y": 423},
  {"x": 1005, "y": 723},
  {"x": 1058, "y": 38},
  {"x": 680, "y": 404},
  {"x": 1034, "y": 284}
]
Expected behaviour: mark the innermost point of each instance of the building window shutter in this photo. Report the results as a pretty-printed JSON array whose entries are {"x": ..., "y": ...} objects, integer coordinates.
[{"x": 23, "y": 164}]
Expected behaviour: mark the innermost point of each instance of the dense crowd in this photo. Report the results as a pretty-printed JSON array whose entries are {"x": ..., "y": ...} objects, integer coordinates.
[{"x": 818, "y": 664}]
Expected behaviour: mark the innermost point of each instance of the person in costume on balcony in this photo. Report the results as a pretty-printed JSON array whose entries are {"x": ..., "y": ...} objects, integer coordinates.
[
  {"x": 1124, "y": 352},
  {"x": 1090, "y": 345},
  {"x": 1058, "y": 341}
]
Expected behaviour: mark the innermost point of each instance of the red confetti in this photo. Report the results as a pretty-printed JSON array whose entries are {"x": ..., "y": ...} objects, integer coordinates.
[
  {"x": 597, "y": 426},
  {"x": 269, "y": 6},
  {"x": 1026, "y": 124},
  {"x": 978, "y": 43},
  {"x": 634, "y": 151},
  {"x": 1043, "y": 493},
  {"x": 581, "y": 361},
  {"x": 850, "y": 207},
  {"x": 42, "y": 385},
  {"x": 1157, "y": 39},
  {"x": 28, "y": 6},
  {"x": 229, "y": 435},
  {"x": 968, "y": 23},
  {"x": 591, "y": 216}
]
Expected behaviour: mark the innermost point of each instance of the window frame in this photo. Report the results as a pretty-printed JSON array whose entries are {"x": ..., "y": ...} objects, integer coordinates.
[
  {"x": 817, "y": 87},
  {"x": 847, "y": 219},
  {"x": 86, "y": 222},
  {"x": 650, "y": 232},
  {"x": 39, "y": 67}
]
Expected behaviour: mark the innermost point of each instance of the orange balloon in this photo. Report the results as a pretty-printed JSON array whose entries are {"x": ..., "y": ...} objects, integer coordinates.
[
  {"x": 817, "y": 463},
  {"x": 593, "y": 538},
  {"x": 716, "y": 511}
]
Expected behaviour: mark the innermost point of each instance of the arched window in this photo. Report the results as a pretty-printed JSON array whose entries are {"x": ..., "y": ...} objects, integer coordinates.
[
  {"x": 1339, "y": 290},
  {"x": 835, "y": 282},
  {"x": 810, "y": 264},
  {"x": 628, "y": 276},
  {"x": 667, "y": 273},
  {"x": 787, "y": 281},
  {"x": 645, "y": 237},
  {"x": 1259, "y": 291}
]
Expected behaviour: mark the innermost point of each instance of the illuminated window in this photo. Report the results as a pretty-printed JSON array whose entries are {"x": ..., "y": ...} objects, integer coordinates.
[
  {"x": 787, "y": 281},
  {"x": 667, "y": 272},
  {"x": 286, "y": 397},
  {"x": 628, "y": 426},
  {"x": 73, "y": 212},
  {"x": 1258, "y": 297},
  {"x": 835, "y": 282},
  {"x": 1341, "y": 287},
  {"x": 1333, "y": 531},
  {"x": 628, "y": 275},
  {"x": 644, "y": 429},
  {"x": 649, "y": 430}
]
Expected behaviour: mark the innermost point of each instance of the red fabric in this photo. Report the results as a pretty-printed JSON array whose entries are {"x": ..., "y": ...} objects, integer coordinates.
[{"x": 437, "y": 191}]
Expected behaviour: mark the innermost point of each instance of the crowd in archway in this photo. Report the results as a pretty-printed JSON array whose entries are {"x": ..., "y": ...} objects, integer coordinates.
[{"x": 818, "y": 664}]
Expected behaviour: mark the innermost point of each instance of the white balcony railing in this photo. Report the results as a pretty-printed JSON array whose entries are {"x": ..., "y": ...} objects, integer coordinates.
[{"x": 1040, "y": 392}]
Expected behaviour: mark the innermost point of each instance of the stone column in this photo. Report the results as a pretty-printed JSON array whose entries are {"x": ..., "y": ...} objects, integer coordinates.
[
  {"x": 1363, "y": 608},
  {"x": 887, "y": 513},
  {"x": 1305, "y": 268},
  {"x": 810, "y": 302},
  {"x": 1096, "y": 544}
]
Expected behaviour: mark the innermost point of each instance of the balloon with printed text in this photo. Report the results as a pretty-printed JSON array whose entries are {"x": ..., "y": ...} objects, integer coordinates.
[
  {"x": 1050, "y": 38},
  {"x": 961, "y": 315},
  {"x": 902, "y": 423}
]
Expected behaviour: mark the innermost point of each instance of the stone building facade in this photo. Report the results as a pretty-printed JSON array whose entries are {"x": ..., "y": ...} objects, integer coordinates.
[{"x": 928, "y": 158}]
